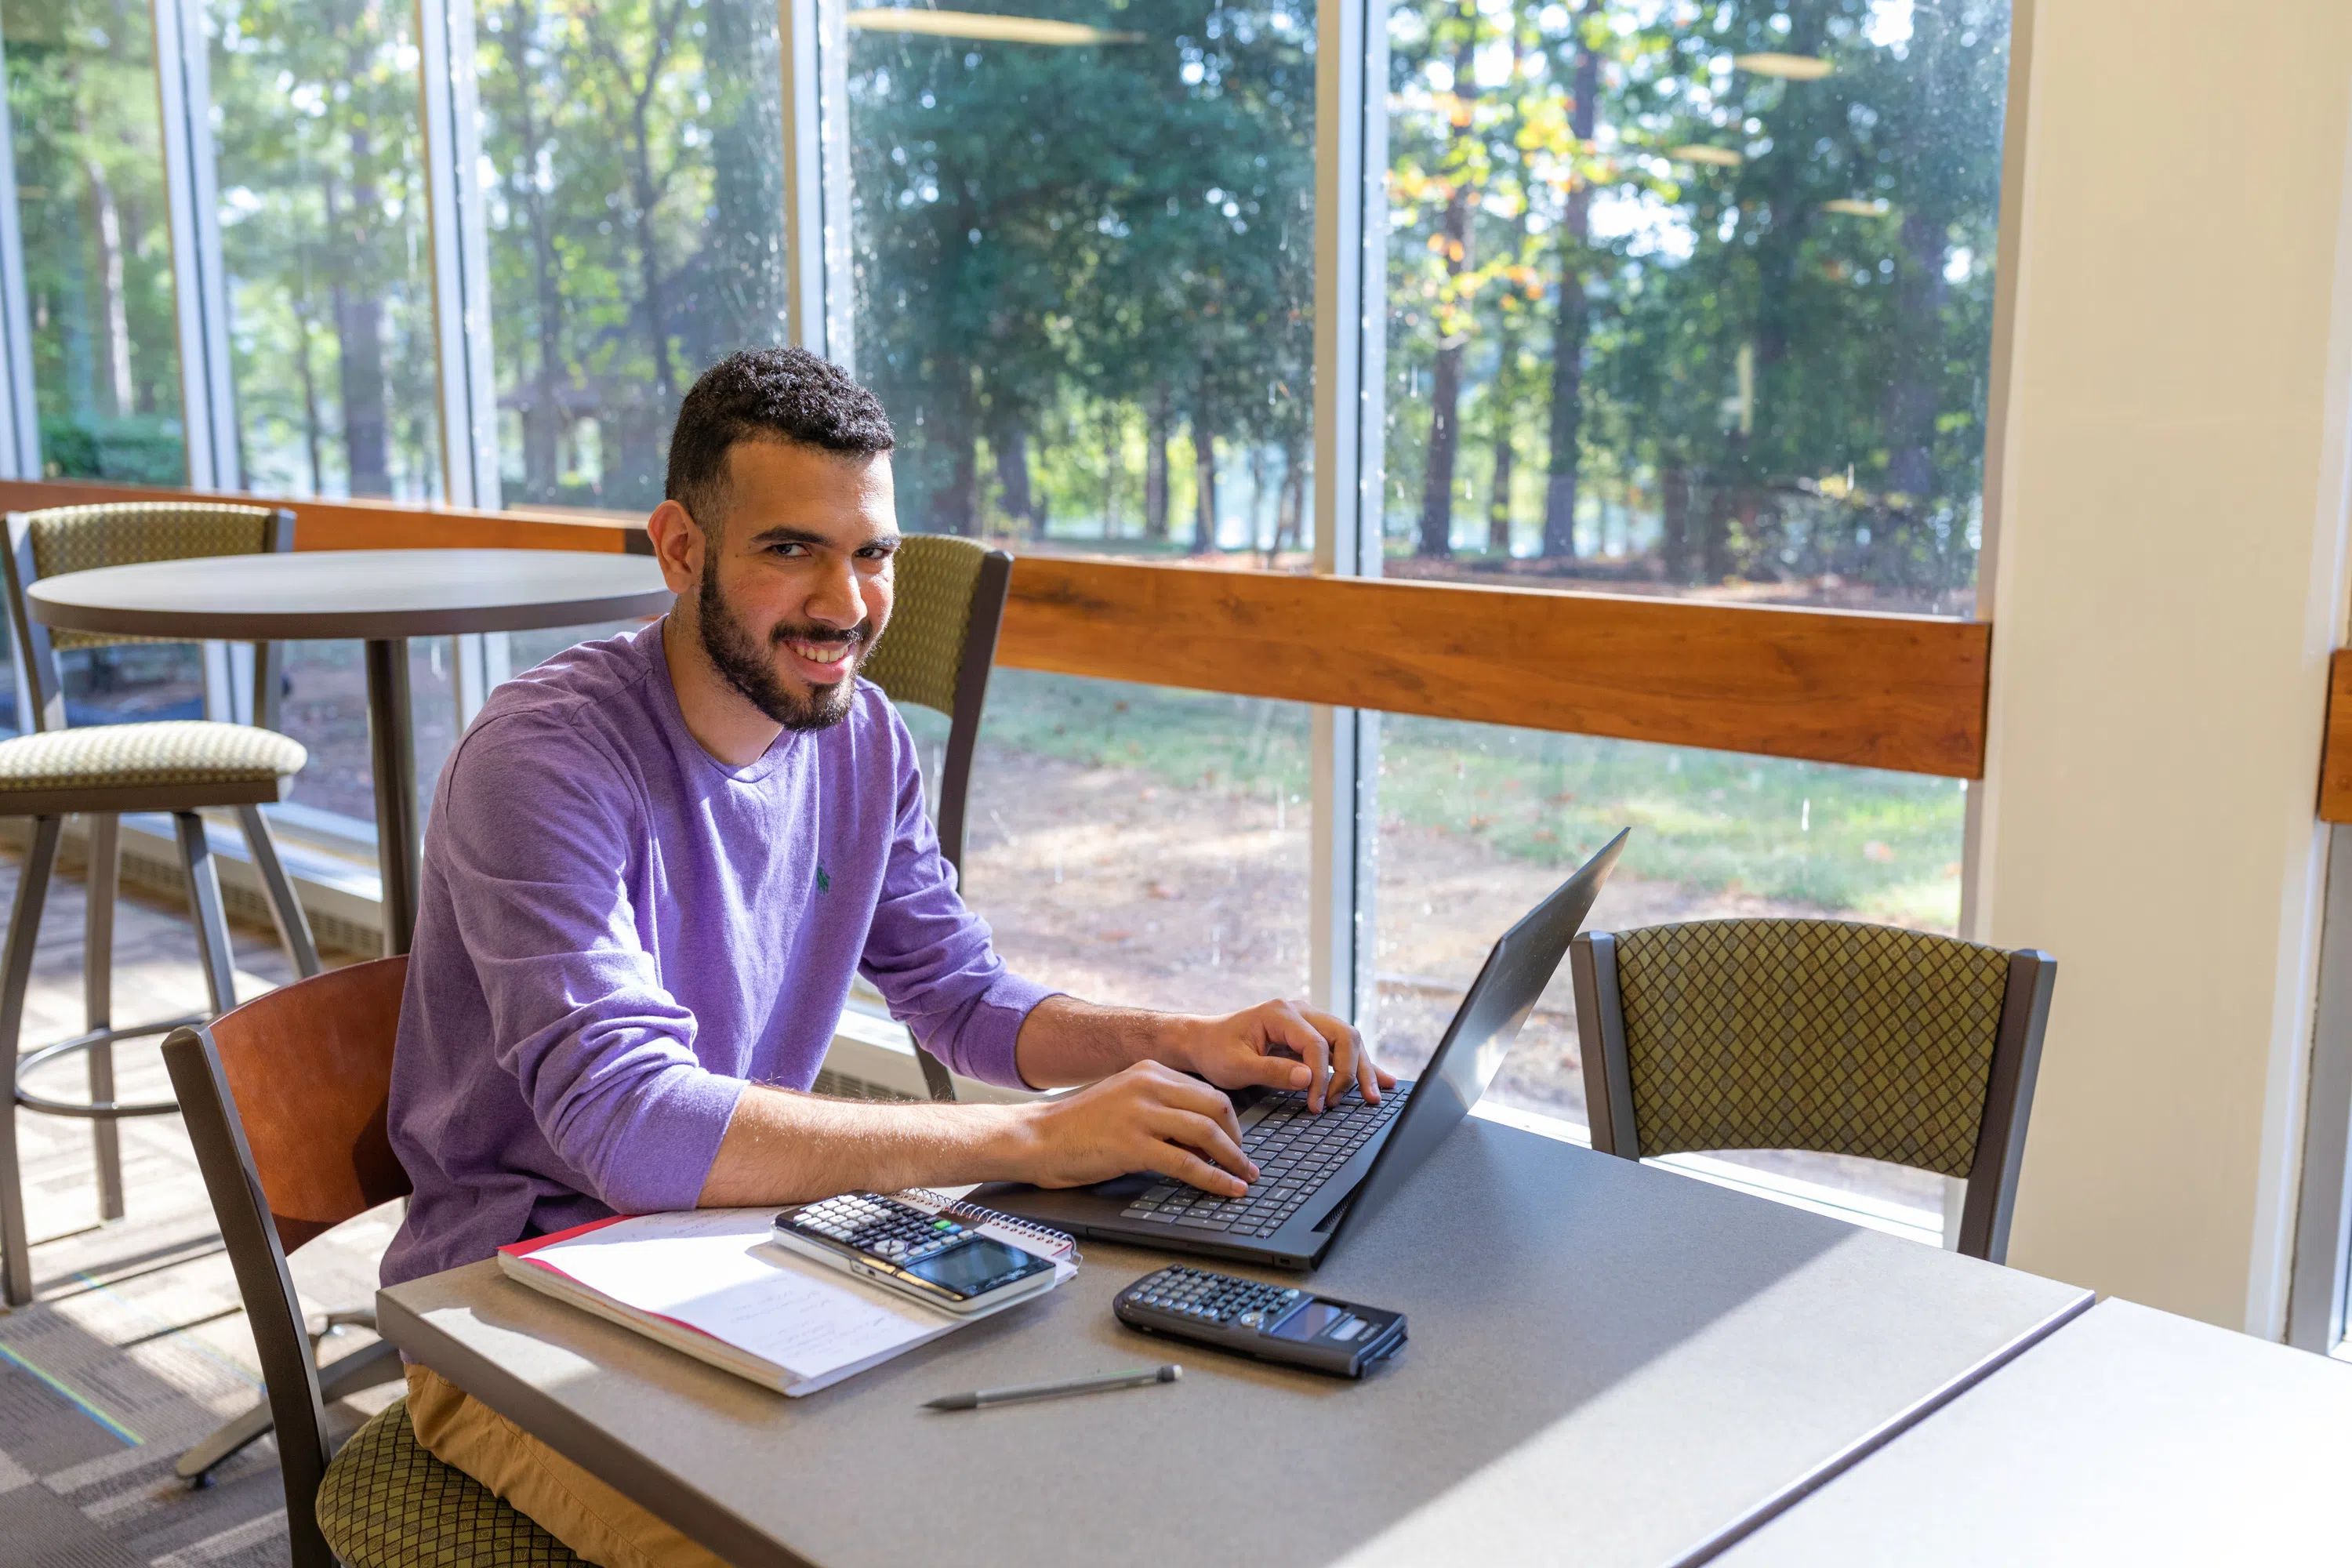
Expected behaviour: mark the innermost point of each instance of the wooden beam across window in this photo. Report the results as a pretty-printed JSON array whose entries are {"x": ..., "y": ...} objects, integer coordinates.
[
  {"x": 1902, "y": 692},
  {"x": 1883, "y": 691},
  {"x": 2335, "y": 750}
]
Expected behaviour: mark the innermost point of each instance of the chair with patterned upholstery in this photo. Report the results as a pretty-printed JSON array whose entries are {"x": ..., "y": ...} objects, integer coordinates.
[
  {"x": 102, "y": 771},
  {"x": 284, "y": 1100},
  {"x": 1826, "y": 1036},
  {"x": 936, "y": 653}
]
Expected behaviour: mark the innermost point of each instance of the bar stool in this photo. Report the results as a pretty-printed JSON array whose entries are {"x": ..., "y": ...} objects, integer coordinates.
[{"x": 179, "y": 768}]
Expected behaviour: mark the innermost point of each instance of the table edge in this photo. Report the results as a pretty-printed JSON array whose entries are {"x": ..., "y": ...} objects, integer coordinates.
[
  {"x": 374, "y": 625},
  {"x": 672, "y": 1498},
  {"x": 1878, "y": 1437}
]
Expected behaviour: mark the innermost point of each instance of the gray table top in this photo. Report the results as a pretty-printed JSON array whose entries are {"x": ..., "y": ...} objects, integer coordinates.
[
  {"x": 352, "y": 594},
  {"x": 2129, "y": 1435},
  {"x": 1601, "y": 1354}
]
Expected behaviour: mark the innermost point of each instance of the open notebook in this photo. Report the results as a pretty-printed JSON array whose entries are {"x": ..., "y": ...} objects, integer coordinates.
[{"x": 710, "y": 1283}]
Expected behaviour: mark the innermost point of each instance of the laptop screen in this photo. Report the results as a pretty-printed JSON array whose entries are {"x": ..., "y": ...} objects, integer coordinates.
[{"x": 1497, "y": 1004}]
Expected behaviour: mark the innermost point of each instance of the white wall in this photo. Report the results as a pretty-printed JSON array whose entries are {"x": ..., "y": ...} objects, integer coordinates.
[{"x": 2167, "y": 584}]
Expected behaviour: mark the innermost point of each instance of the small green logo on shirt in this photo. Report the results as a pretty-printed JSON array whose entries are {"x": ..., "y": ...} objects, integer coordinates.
[{"x": 824, "y": 882}]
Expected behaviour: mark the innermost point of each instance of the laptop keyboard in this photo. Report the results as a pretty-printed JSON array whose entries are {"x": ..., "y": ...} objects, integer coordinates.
[{"x": 1296, "y": 1152}]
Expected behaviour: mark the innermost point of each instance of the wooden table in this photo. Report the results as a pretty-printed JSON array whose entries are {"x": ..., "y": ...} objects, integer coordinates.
[
  {"x": 383, "y": 597},
  {"x": 2129, "y": 1435},
  {"x": 1609, "y": 1363}
]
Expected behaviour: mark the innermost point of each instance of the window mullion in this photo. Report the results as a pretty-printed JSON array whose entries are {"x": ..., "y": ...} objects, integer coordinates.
[
  {"x": 815, "y": 66},
  {"x": 199, "y": 275},
  {"x": 20, "y": 424},
  {"x": 1351, "y": 138},
  {"x": 461, "y": 265}
]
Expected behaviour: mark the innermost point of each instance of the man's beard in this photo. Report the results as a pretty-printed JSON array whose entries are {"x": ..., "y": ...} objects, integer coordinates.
[{"x": 738, "y": 656}]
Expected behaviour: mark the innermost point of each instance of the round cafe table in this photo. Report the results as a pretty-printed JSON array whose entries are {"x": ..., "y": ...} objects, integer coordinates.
[{"x": 382, "y": 597}]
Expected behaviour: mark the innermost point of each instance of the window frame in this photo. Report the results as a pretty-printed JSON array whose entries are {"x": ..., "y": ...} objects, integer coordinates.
[{"x": 1351, "y": 268}]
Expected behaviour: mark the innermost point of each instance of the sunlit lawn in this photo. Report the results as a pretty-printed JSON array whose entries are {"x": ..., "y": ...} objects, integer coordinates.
[{"x": 1880, "y": 844}]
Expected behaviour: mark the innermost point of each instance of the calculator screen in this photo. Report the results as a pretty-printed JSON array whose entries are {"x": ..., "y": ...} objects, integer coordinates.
[
  {"x": 1317, "y": 1319},
  {"x": 966, "y": 1269}
]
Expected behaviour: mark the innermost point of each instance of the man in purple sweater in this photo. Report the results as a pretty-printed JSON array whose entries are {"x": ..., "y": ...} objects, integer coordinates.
[{"x": 652, "y": 867}]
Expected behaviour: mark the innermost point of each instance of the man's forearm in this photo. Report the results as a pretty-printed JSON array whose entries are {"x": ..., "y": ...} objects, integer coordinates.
[
  {"x": 1065, "y": 1041},
  {"x": 787, "y": 1148}
]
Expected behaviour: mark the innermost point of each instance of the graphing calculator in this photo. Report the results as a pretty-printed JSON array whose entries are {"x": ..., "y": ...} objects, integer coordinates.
[
  {"x": 1271, "y": 1322},
  {"x": 929, "y": 1257}
]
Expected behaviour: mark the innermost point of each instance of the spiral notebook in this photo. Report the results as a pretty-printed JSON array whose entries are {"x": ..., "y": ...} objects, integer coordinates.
[{"x": 711, "y": 1283}]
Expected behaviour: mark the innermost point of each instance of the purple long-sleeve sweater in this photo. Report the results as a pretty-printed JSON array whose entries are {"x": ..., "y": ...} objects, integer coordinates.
[{"x": 618, "y": 933}]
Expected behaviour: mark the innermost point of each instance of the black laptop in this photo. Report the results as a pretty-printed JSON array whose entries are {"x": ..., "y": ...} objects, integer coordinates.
[{"x": 1316, "y": 1172}]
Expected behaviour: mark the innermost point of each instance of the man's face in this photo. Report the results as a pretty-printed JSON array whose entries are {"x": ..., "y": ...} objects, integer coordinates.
[{"x": 795, "y": 582}]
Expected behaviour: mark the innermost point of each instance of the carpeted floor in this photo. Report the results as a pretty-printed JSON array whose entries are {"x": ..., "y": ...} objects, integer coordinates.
[{"x": 137, "y": 1346}]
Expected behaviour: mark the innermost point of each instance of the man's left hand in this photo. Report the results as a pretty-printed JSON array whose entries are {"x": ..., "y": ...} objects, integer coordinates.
[{"x": 1282, "y": 1045}]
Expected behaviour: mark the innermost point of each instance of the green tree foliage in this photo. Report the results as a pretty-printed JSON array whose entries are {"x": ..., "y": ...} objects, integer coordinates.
[
  {"x": 1059, "y": 247},
  {"x": 1762, "y": 232},
  {"x": 324, "y": 225},
  {"x": 97, "y": 258},
  {"x": 637, "y": 226}
]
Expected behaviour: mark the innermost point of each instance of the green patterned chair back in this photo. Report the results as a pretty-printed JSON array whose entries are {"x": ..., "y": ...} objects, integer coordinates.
[
  {"x": 920, "y": 656},
  {"x": 81, "y": 538},
  {"x": 936, "y": 653},
  {"x": 1805, "y": 1034}
]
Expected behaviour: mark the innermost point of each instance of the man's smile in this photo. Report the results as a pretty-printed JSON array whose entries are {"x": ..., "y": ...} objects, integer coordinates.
[{"x": 821, "y": 661}]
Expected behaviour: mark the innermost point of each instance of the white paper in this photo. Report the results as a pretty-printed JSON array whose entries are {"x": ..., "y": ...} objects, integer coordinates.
[{"x": 716, "y": 1270}]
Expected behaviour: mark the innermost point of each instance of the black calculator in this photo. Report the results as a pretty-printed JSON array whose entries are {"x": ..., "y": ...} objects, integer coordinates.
[{"x": 1273, "y": 1323}]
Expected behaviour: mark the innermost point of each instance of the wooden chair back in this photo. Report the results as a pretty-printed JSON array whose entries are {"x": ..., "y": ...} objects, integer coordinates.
[{"x": 284, "y": 1101}]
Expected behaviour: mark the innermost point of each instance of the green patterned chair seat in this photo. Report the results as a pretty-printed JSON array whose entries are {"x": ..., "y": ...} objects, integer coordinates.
[
  {"x": 386, "y": 1502},
  {"x": 164, "y": 765}
]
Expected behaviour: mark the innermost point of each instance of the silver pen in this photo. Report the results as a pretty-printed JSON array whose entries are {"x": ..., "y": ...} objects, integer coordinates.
[{"x": 982, "y": 1398}]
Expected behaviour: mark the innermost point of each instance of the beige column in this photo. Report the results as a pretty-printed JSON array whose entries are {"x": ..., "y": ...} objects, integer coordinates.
[{"x": 2170, "y": 575}]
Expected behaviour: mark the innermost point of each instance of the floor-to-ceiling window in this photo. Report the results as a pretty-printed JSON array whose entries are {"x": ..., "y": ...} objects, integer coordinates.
[
  {"x": 1694, "y": 300},
  {"x": 1658, "y": 297},
  {"x": 1083, "y": 261},
  {"x": 96, "y": 240},
  {"x": 632, "y": 158}
]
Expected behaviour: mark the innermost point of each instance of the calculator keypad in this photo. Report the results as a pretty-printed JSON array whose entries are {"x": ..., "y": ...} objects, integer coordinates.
[
  {"x": 887, "y": 1230},
  {"x": 1200, "y": 1297}
]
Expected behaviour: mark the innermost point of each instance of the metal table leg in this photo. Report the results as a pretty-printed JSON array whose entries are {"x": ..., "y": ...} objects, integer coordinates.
[{"x": 393, "y": 753}]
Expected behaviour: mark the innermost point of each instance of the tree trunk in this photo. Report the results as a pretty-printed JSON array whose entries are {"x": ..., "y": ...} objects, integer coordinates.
[
  {"x": 113, "y": 307},
  {"x": 1110, "y": 440},
  {"x": 1910, "y": 398},
  {"x": 1205, "y": 484},
  {"x": 1572, "y": 324},
  {"x": 358, "y": 334},
  {"x": 1778, "y": 251},
  {"x": 955, "y": 430},
  {"x": 1290, "y": 512},
  {"x": 312, "y": 434},
  {"x": 1674, "y": 506},
  {"x": 1156, "y": 422},
  {"x": 1446, "y": 377},
  {"x": 1012, "y": 446}
]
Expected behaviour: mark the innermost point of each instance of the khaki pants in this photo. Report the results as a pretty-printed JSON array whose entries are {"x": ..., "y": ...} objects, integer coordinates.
[{"x": 569, "y": 1503}]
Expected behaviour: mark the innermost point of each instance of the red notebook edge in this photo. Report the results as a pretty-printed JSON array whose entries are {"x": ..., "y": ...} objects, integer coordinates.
[
  {"x": 522, "y": 1251},
  {"x": 524, "y": 1248}
]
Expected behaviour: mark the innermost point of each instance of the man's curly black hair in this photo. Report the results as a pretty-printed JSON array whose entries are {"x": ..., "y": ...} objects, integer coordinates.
[{"x": 766, "y": 395}]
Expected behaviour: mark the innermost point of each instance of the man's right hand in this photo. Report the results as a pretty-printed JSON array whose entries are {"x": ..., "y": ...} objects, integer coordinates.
[{"x": 1149, "y": 1117}]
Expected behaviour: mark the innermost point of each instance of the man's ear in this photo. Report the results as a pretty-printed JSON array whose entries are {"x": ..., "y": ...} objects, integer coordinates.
[{"x": 679, "y": 545}]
